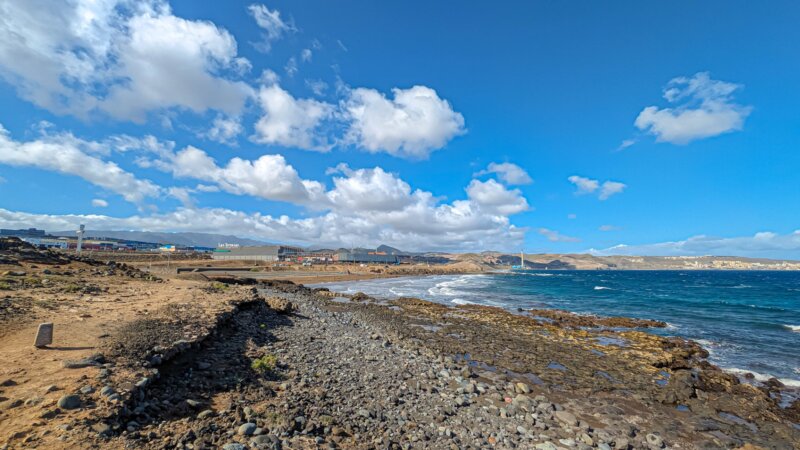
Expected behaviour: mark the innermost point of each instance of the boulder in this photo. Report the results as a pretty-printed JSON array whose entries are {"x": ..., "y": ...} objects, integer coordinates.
[
  {"x": 247, "y": 429},
  {"x": 69, "y": 402},
  {"x": 567, "y": 418},
  {"x": 679, "y": 388}
]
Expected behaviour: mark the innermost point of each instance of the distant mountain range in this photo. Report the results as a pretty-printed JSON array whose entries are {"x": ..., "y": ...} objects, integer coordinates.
[
  {"x": 620, "y": 262},
  {"x": 187, "y": 239}
]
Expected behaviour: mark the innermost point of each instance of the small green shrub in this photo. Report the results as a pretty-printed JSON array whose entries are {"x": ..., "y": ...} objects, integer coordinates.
[
  {"x": 30, "y": 281},
  {"x": 266, "y": 363},
  {"x": 4, "y": 286},
  {"x": 217, "y": 286}
]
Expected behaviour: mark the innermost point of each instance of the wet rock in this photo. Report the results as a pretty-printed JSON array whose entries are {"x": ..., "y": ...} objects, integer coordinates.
[
  {"x": 679, "y": 388},
  {"x": 569, "y": 319},
  {"x": 716, "y": 381},
  {"x": 360, "y": 297}
]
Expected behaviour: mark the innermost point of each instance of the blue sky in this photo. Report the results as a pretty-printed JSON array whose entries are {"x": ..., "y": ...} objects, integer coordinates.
[{"x": 617, "y": 127}]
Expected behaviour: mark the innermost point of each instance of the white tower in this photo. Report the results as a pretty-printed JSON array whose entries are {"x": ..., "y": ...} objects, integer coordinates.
[
  {"x": 80, "y": 238},
  {"x": 522, "y": 259}
]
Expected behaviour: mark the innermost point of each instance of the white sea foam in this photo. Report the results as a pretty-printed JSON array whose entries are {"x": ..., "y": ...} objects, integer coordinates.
[
  {"x": 461, "y": 301},
  {"x": 602, "y": 288},
  {"x": 709, "y": 346},
  {"x": 795, "y": 328},
  {"x": 760, "y": 377},
  {"x": 447, "y": 288}
]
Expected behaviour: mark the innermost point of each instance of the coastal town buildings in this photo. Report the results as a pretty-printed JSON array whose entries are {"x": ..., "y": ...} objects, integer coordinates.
[
  {"x": 366, "y": 257},
  {"x": 272, "y": 253}
]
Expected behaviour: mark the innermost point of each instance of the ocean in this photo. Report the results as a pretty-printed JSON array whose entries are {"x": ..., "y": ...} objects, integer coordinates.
[{"x": 748, "y": 321}]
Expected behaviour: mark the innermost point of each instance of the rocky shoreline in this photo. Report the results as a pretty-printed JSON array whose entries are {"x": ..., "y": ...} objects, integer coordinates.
[
  {"x": 359, "y": 372},
  {"x": 237, "y": 363}
]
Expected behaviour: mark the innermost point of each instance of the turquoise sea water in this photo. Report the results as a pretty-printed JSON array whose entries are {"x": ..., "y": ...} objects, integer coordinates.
[{"x": 748, "y": 321}]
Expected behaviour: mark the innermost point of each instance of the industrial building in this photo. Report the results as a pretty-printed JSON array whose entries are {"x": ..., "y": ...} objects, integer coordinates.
[
  {"x": 261, "y": 253},
  {"x": 366, "y": 258},
  {"x": 47, "y": 243}
]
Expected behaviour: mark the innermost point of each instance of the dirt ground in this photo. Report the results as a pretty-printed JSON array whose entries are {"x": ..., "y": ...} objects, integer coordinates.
[{"x": 85, "y": 303}]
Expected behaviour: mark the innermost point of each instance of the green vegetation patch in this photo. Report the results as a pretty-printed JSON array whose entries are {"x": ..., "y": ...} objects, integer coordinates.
[{"x": 265, "y": 364}]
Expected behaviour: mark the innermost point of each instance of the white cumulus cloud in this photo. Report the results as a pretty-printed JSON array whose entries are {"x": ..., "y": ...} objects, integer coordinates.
[
  {"x": 703, "y": 108},
  {"x": 589, "y": 186},
  {"x": 292, "y": 122},
  {"x": 495, "y": 198},
  {"x": 269, "y": 177},
  {"x": 121, "y": 57},
  {"x": 66, "y": 154},
  {"x": 369, "y": 190},
  {"x": 99, "y": 203},
  {"x": 273, "y": 25},
  {"x": 510, "y": 173},
  {"x": 225, "y": 130},
  {"x": 610, "y": 188},
  {"x": 584, "y": 185},
  {"x": 412, "y": 124}
]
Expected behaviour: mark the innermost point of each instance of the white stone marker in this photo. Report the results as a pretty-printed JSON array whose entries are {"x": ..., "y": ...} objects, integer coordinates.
[{"x": 44, "y": 336}]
